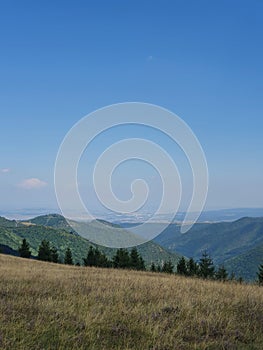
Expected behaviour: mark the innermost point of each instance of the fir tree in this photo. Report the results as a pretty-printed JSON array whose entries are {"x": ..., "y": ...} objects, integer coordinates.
[
  {"x": 221, "y": 274},
  {"x": 153, "y": 267},
  {"x": 181, "y": 267},
  {"x": 44, "y": 252},
  {"x": 90, "y": 259},
  {"x": 135, "y": 260},
  {"x": 24, "y": 250},
  {"x": 167, "y": 267},
  {"x": 260, "y": 275},
  {"x": 54, "y": 254},
  {"x": 192, "y": 267},
  {"x": 68, "y": 257},
  {"x": 121, "y": 259},
  {"x": 206, "y": 266}
]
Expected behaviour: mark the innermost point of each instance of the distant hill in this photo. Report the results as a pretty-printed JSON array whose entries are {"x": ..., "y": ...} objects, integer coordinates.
[
  {"x": 246, "y": 264},
  {"x": 11, "y": 235}
]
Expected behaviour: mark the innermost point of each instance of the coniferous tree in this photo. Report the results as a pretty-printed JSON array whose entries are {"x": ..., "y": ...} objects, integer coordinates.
[
  {"x": 167, "y": 267},
  {"x": 24, "y": 249},
  {"x": 54, "y": 254},
  {"x": 260, "y": 275},
  {"x": 192, "y": 267},
  {"x": 121, "y": 259},
  {"x": 181, "y": 267},
  {"x": 68, "y": 257},
  {"x": 159, "y": 268},
  {"x": 135, "y": 260},
  {"x": 90, "y": 259},
  {"x": 206, "y": 266},
  {"x": 221, "y": 274},
  {"x": 44, "y": 252},
  {"x": 153, "y": 267}
]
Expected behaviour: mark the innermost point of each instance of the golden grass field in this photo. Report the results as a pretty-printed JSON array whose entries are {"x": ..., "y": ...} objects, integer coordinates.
[{"x": 50, "y": 306}]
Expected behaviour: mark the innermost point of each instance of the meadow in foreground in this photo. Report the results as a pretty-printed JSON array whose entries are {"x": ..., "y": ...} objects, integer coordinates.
[{"x": 51, "y": 306}]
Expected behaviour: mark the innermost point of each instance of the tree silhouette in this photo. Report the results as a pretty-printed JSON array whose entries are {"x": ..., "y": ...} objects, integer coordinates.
[
  {"x": 44, "y": 252},
  {"x": 260, "y": 275},
  {"x": 206, "y": 266},
  {"x": 68, "y": 257},
  {"x": 24, "y": 249}
]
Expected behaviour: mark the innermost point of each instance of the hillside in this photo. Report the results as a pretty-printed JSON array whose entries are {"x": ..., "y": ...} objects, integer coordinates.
[
  {"x": 51, "y": 306},
  {"x": 246, "y": 264},
  {"x": 223, "y": 240},
  {"x": 12, "y": 236}
]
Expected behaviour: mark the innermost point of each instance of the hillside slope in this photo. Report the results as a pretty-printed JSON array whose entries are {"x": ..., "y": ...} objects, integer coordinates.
[
  {"x": 52, "y": 306},
  {"x": 12, "y": 237}
]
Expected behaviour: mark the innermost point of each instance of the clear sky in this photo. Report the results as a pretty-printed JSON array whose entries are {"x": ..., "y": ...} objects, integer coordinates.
[{"x": 60, "y": 60}]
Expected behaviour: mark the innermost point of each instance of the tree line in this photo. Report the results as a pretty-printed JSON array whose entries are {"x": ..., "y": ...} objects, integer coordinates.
[{"x": 123, "y": 259}]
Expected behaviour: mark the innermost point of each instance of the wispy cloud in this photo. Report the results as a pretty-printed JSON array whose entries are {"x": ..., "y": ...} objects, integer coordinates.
[
  {"x": 5, "y": 170},
  {"x": 149, "y": 58},
  {"x": 33, "y": 183}
]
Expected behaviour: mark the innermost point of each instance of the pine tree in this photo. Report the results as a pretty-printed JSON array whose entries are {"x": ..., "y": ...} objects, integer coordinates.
[
  {"x": 135, "y": 262},
  {"x": 44, "y": 252},
  {"x": 206, "y": 266},
  {"x": 260, "y": 275},
  {"x": 90, "y": 259},
  {"x": 181, "y": 267},
  {"x": 54, "y": 254},
  {"x": 221, "y": 274},
  {"x": 121, "y": 259},
  {"x": 68, "y": 257},
  {"x": 153, "y": 267},
  {"x": 192, "y": 267},
  {"x": 168, "y": 267},
  {"x": 24, "y": 250}
]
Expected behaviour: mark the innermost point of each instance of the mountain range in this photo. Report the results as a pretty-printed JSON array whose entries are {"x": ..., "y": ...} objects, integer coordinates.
[{"x": 56, "y": 229}]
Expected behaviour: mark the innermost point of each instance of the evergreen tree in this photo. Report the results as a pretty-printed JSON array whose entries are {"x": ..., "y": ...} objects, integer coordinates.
[
  {"x": 141, "y": 264},
  {"x": 44, "y": 252},
  {"x": 54, "y": 254},
  {"x": 24, "y": 249},
  {"x": 206, "y": 266},
  {"x": 121, "y": 259},
  {"x": 90, "y": 259},
  {"x": 159, "y": 268},
  {"x": 68, "y": 257},
  {"x": 167, "y": 267},
  {"x": 135, "y": 259},
  {"x": 181, "y": 267},
  {"x": 221, "y": 274},
  {"x": 153, "y": 267},
  {"x": 192, "y": 267},
  {"x": 260, "y": 275}
]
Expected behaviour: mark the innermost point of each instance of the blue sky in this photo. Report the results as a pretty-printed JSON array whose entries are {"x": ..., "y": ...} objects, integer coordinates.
[{"x": 61, "y": 60}]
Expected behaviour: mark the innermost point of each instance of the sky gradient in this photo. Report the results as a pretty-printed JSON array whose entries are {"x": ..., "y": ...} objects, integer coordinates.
[{"x": 61, "y": 60}]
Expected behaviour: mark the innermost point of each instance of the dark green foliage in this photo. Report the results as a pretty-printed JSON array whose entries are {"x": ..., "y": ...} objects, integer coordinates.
[
  {"x": 182, "y": 267},
  {"x": 44, "y": 251},
  {"x": 192, "y": 267},
  {"x": 206, "y": 266},
  {"x": 153, "y": 267},
  {"x": 135, "y": 259},
  {"x": 221, "y": 274},
  {"x": 96, "y": 258},
  {"x": 159, "y": 268},
  {"x": 24, "y": 249},
  {"x": 121, "y": 259},
  {"x": 260, "y": 275},
  {"x": 54, "y": 254},
  {"x": 68, "y": 257},
  {"x": 167, "y": 267}
]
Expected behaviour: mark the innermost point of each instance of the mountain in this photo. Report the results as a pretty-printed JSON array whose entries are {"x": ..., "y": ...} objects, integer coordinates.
[
  {"x": 12, "y": 233},
  {"x": 246, "y": 264}
]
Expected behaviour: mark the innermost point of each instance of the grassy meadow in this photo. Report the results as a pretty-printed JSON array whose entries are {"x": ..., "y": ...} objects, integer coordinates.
[{"x": 51, "y": 306}]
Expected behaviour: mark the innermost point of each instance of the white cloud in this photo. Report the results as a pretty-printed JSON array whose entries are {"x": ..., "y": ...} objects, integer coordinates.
[
  {"x": 5, "y": 170},
  {"x": 33, "y": 183}
]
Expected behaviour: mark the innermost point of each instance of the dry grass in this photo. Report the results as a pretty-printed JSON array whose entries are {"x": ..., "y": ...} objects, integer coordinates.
[{"x": 48, "y": 306}]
